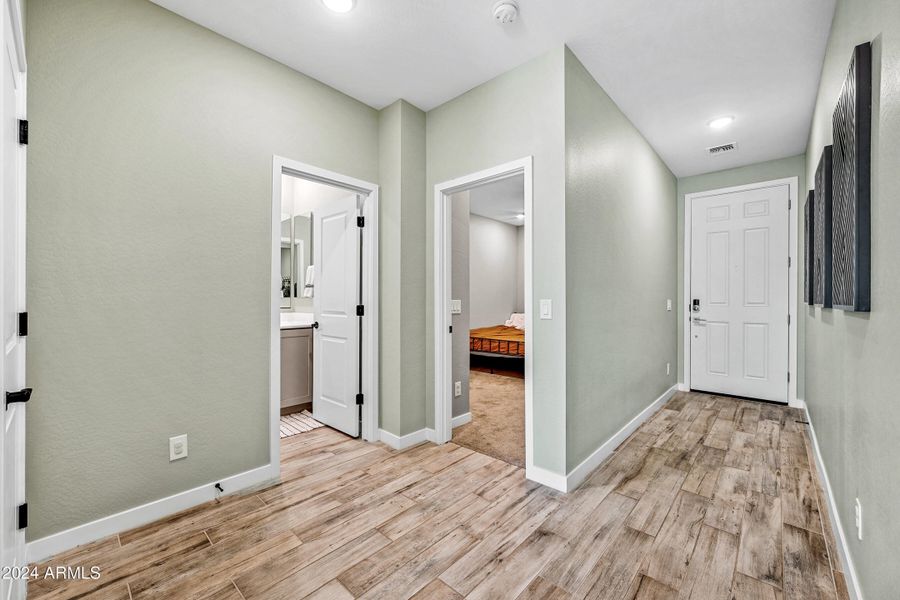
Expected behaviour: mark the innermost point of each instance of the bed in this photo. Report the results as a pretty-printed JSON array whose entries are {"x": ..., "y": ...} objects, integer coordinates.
[{"x": 498, "y": 339}]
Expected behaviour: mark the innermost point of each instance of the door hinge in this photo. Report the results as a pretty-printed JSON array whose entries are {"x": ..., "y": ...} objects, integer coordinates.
[
  {"x": 360, "y": 310},
  {"x": 451, "y": 329},
  {"x": 359, "y": 399},
  {"x": 789, "y": 262},
  {"x": 23, "y": 395},
  {"x": 23, "y": 132},
  {"x": 789, "y": 203},
  {"x": 22, "y": 516},
  {"x": 789, "y": 319},
  {"x": 789, "y": 376},
  {"x": 360, "y": 221},
  {"x": 23, "y": 324}
]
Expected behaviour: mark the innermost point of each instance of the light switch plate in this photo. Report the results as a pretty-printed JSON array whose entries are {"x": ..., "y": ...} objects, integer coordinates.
[
  {"x": 178, "y": 447},
  {"x": 669, "y": 305},
  {"x": 546, "y": 308},
  {"x": 455, "y": 307}
]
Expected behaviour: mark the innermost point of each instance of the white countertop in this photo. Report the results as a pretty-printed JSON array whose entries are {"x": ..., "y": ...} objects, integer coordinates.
[{"x": 296, "y": 320}]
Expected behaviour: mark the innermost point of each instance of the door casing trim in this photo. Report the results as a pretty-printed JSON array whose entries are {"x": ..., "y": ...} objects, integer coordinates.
[
  {"x": 793, "y": 184},
  {"x": 369, "y": 191},
  {"x": 443, "y": 367}
]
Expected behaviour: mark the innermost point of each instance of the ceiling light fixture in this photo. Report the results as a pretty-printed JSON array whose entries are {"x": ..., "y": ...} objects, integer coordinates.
[
  {"x": 339, "y": 6},
  {"x": 721, "y": 122}
]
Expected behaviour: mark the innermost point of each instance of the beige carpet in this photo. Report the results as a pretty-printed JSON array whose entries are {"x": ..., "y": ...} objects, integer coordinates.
[{"x": 497, "y": 404}]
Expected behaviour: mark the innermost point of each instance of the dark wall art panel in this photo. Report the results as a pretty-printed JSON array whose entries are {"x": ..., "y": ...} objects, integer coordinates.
[
  {"x": 821, "y": 253},
  {"x": 851, "y": 220},
  {"x": 809, "y": 243}
]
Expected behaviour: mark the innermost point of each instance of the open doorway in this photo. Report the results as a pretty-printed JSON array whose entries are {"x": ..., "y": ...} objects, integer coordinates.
[
  {"x": 324, "y": 303},
  {"x": 483, "y": 273}
]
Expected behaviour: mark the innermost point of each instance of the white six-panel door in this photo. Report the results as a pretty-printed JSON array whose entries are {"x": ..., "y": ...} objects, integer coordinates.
[
  {"x": 12, "y": 301},
  {"x": 739, "y": 293},
  {"x": 336, "y": 295}
]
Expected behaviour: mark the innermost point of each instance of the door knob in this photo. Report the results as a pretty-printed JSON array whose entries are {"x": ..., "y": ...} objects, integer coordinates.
[
  {"x": 695, "y": 305},
  {"x": 23, "y": 395}
]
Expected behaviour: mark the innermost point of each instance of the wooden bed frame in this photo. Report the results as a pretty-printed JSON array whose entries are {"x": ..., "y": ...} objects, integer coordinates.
[{"x": 500, "y": 339}]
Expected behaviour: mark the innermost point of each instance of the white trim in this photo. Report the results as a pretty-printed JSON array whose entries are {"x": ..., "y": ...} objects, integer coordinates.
[
  {"x": 53, "y": 544},
  {"x": 577, "y": 475},
  {"x": 402, "y": 442},
  {"x": 793, "y": 184},
  {"x": 281, "y": 165},
  {"x": 548, "y": 478},
  {"x": 442, "y": 339},
  {"x": 460, "y": 420},
  {"x": 843, "y": 549}
]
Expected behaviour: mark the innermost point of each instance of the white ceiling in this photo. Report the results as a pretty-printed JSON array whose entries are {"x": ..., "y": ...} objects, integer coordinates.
[
  {"x": 670, "y": 65},
  {"x": 500, "y": 200}
]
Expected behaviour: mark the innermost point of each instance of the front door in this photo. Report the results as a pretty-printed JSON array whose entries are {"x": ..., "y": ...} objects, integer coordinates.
[
  {"x": 739, "y": 293},
  {"x": 12, "y": 302},
  {"x": 336, "y": 256}
]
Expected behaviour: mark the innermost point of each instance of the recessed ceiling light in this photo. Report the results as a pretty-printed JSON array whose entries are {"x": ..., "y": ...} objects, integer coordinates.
[
  {"x": 339, "y": 6},
  {"x": 721, "y": 122}
]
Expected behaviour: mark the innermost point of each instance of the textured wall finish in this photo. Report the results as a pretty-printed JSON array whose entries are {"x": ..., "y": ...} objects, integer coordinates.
[
  {"x": 149, "y": 248},
  {"x": 620, "y": 268},
  {"x": 851, "y": 358}
]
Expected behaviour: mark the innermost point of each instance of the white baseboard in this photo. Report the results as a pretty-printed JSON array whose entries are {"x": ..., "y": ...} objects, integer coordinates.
[
  {"x": 577, "y": 475},
  {"x": 460, "y": 420},
  {"x": 545, "y": 477},
  {"x": 683, "y": 387},
  {"x": 847, "y": 562},
  {"x": 402, "y": 442},
  {"x": 44, "y": 548}
]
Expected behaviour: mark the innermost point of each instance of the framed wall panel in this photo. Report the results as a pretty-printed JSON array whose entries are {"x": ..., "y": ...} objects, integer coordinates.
[
  {"x": 851, "y": 217},
  {"x": 808, "y": 246},
  {"x": 821, "y": 251}
]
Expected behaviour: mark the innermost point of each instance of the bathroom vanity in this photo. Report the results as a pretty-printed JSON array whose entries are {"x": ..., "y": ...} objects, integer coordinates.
[{"x": 296, "y": 361}]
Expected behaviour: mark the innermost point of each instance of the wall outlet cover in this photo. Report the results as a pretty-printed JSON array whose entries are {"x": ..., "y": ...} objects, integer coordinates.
[
  {"x": 669, "y": 305},
  {"x": 668, "y": 368},
  {"x": 178, "y": 447},
  {"x": 457, "y": 389}
]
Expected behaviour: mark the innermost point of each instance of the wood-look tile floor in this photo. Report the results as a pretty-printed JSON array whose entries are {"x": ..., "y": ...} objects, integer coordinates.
[{"x": 713, "y": 498}]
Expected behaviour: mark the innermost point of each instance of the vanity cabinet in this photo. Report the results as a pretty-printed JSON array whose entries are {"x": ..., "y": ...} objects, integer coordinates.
[{"x": 296, "y": 369}]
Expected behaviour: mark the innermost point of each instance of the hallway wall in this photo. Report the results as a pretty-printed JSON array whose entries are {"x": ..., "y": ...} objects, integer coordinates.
[
  {"x": 851, "y": 358},
  {"x": 149, "y": 185}
]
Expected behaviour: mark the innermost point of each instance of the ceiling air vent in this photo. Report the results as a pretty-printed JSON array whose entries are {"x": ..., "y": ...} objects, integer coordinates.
[{"x": 716, "y": 150}]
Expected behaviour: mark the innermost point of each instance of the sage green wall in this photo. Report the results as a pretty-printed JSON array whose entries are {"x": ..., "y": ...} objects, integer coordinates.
[
  {"x": 620, "y": 267},
  {"x": 402, "y": 265},
  {"x": 793, "y": 166},
  {"x": 517, "y": 114},
  {"x": 851, "y": 358},
  {"x": 149, "y": 184}
]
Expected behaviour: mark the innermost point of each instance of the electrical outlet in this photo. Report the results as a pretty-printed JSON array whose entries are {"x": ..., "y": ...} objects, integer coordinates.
[
  {"x": 669, "y": 305},
  {"x": 457, "y": 389},
  {"x": 668, "y": 368},
  {"x": 858, "y": 512},
  {"x": 178, "y": 448}
]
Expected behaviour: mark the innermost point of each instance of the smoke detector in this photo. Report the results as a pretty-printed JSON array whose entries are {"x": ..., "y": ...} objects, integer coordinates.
[{"x": 506, "y": 12}]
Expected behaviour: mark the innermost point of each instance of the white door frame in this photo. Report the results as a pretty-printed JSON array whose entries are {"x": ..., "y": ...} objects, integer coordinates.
[
  {"x": 369, "y": 191},
  {"x": 443, "y": 361},
  {"x": 793, "y": 184}
]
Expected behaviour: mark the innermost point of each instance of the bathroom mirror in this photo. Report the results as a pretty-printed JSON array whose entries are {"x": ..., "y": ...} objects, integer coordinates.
[
  {"x": 286, "y": 262},
  {"x": 303, "y": 260}
]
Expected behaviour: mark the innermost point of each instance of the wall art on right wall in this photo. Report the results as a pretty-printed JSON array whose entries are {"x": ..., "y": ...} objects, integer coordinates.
[
  {"x": 809, "y": 254},
  {"x": 822, "y": 212},
  {"x": 851, "y": 213}
]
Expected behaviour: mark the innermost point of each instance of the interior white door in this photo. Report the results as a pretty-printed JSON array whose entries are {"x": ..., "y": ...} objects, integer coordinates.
[
  {"x": 12, "y": 302},
  {"x": 739, "y": 293},
  {"x": 336, "y": 256}
]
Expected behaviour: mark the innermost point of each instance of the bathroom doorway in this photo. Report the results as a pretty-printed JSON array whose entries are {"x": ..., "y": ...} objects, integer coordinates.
[{"x": 324, "y": 303}]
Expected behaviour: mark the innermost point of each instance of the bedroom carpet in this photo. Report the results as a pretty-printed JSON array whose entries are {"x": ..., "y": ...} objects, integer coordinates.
[{"x": 497, "y": 428}]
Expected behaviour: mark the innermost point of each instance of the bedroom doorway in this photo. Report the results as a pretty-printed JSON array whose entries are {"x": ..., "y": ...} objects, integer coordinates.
[{"x": 482, "y": 312}]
